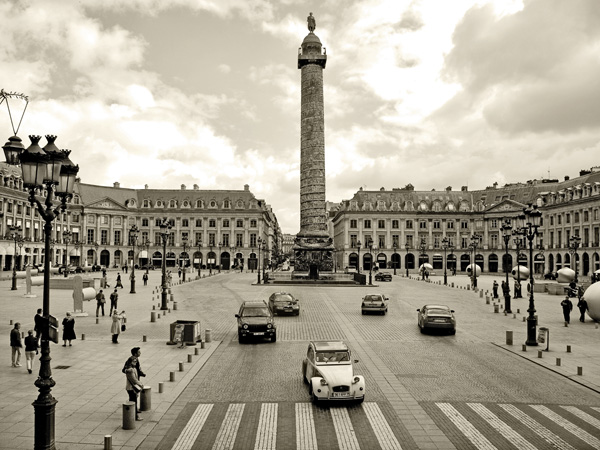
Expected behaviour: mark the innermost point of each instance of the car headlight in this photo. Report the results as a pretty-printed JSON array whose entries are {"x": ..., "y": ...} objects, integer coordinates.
[
  {"x": 323, "y": 382},
  {"x": 355, "y": 380},
  {"x": 245, "y": 326},
  {"x": 269, "y": 325}
]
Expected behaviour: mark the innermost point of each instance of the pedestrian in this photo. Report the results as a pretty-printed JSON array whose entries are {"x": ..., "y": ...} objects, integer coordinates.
[
  {"x": 16, "y": 344},
  {"x": 134, "y": 361},
  {"x": 145, "y": 278},
  {"x": 567, "y": 307},
  {"x": 119, "y": 284},
  {"x": 115, "y": 328},
  {"x": 114, "y": 298},
  {"x": 133, "y": 385},
  {"x": 427, "y": 275},
  {"x": 572, "y": 289},
  {"x": 38, "y": 321},
  {"x": 100, "y": 301},
  {"x": 583, "y": 307},
  {"x": 31, "y": 349},
  {"x": 241, "y": 268},
  {"x": 68, "y": 324},
  {"x": 517, "y": 289},
  {"x": 495, "y": 288},
  {"x": 179, "y": 273}
]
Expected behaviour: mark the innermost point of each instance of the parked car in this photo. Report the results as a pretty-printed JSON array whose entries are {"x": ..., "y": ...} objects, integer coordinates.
[
  {"x": 374, "y": 303},
  {"x": 328, "y": 370},
  {"x": 255, "y": 319},
  {"x": 438, "y": 317},
  {"x": 383, "y": 276},
  {"x": 284, "y": 303}
]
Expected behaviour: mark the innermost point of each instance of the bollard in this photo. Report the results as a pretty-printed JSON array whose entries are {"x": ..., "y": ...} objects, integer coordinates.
[
  {"x": 11, "y": 322},
  {"x": 146, "y": 399},
  {"x": 558, "y": 361},
  {"x": 509, "y": 338},
  {"x": 171, "y": 297},
  {"x": 128, "y": 415},
  {"x": 83, "y": 336},
  {"x": 180, "y": 366},
  {"x": 539, "y": 353},
  {"x": 171, "y": 376},
  {"x": 174, "y": 306},
  {"x": 524, "y": 319},
  {"x": 144, "y": 338},
  {"x": 153, "y": 316},
  {"x": 568, "y": 349},
  {"x": 579, "y": 370},
  {"x": 514, "y": 316},
  {"x": 160, "y": 387},
  {"x": 480, "y": 294},
  {"x": 190, "y": 358},
  {"x": 97, "y": 320},
  {"x": 197, "y": 350},
  {"x": 201, "y": 345},
  {"x": 207, "y": 335},
  {"x": 518, "y": 310},
  {"x": 108, "y": 442},
  {"x": 505, "y": 313},
  {"x": 164, "y": 312},
  {"x": 487, "y": 301},
  {"x": 496, "y": 309},
  {"x": 153, "y": 307},
  {"x": 169, "y": 310},
  {"x": 524, "y": 348}
]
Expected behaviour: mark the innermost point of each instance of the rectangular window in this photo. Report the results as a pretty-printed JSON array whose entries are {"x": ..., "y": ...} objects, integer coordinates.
[
  {"x": 185, "y": 223},
  {"x": 117, "y": 237},
  {"x": 353, "y": 240},
  {"x": 551, "y": 243},
  {"x": 422, "y": 224},
  {"x": 395, "y": 224},
  {"x": 171, "y": 240},
  {"x": 353, "y": 223},
  {"x": 198, "y": 242},
  {"x": 381, "y": 239},
  {"x": 464, "y": 225},
  {"x": 494, "y": 223},
  {"x": 9, "y": 207},
  {"x": 158, "y": 239},
  {"x": 595, "y": 214},
  {"x": 212, "y": 223},
  {"x": 450, "y": 225},
  {"x": 104, "y": 237},
  {"x": 436, "y": 242},
  {"x": 586, "y": 216},
  {"x": 409, "y": 241},
  {"x": 19, "y": 209},
  {"x": 104, "y": 220},
  {"x": 576, "y": 218},
  {"x": 211, "y": 239},
  {"x": 118, "y": 220},
  {"x": 225, "y": 223},
  {"x": 239, "y": 240},
  {"x": 551, "y": 220},
  {"x": 185, "y": 236},
  {"x": 437, "y": 225},
  {"x": 90, "y": 236},
  {"x": 464, "y": 242},
  {"x": 253, "y": 223},
  {"x": 145, "y": 237},
  {"x": 145, "y": 222},
  {"x": 253, "y": 240},
  {"x": 395, "y": 240},
  {"x": 567, "y": 218},
  {"x": 409, "y": 224},
  {"x": 157, "y": 222},
  {"x": 225, "y": 240},
  {"x": 91, "y": 219},
  {"x": 199, "y": 223},
  {"x": 367, "y": 223},
  {"x": 239, "y": 223},
  {"x": 381, "y": 224},
  {"x": 559, "y": 238},
  {"x": 494, "y": 240},
  {"x": 559, "y": 219}
]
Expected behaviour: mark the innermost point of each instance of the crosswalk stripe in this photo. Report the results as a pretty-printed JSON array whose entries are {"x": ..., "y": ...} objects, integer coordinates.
[
  {"x": 552, "y": 439},
  {"x": 228, "y": 431},
  {"x": 343, "y": 429},
  {"x": 383, "y": 431},
  {"x": 506, "y": 431},
  {"x": 583, "y": 415},
  {"x": 577, "y": 431},
  {"x": 267, "y": 427},
  {"x": 595, "y": 408},
  {"x": 476, "y": 438},
  {"x": 306, "y": 436},
  {"x": 188, "y": 435}
]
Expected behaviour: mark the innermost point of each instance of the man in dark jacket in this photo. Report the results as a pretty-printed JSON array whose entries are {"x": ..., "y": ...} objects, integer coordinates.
[
  {"x": 31, "y": 349},
  {"x": 567, "y": 307},
  {"x": 38, "y": 321},
  {"x": 16, "y": 344},
  {"x": 583, "y": 307}
]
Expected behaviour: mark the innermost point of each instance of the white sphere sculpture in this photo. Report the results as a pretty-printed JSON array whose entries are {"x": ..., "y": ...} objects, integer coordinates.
[
  {"x": 565, "y": 275},
  {"x": 470, "y": 270},
  {"x": 520, "y": 273},
  {"x": 592, "y": 297}
]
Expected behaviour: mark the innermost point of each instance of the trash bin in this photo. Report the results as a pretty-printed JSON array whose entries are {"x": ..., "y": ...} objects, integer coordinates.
[
  {"x": 186, "y": 332},
  {"x": 544, "y": 337}
]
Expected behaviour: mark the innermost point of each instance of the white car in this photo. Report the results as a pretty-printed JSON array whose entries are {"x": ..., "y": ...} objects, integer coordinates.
[{"x": 328, "y": 369}]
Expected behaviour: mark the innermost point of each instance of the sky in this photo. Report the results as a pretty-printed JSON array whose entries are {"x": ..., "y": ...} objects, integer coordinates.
[{"x": 434, "y": 93}]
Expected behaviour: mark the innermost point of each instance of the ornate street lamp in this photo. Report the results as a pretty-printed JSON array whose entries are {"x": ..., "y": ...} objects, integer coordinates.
[
  {"x": 50, "y": 171},
  {"x": 395, "y": 260},
  {"x": 407, "y": 247},
  {"x": 165, "y": 232},
  {"x": 210, "y": 265},
  {"x": 20, "y": 244},
  {"x": 199, "y": 245},
  {"x": 574, "y": 242},
  {"x": 146, "y": 247},
  {"x": 15, "y": 235},
  {"x": 79, "y": 245},
  {"x": 232, "y": 251},
  {"x": 133, "y": 235},
  {"x": 506, "y": 234},
  {"x": 258, "y": 268},
  {"x": 370, "y": 245},
  {"x": 446, "y": 244},
  {"x": 529, "y": 230},
  {"x": 265, "y": 249},
  {"x": 219, "y": 247},
  {"x": 474, "y": 242},
  {"x": 423, "y": 248},
  {"x": 358, "y": 244},
  {"x": 67, "y": 238},
  {"x": 519, "y": 244},
  {"x": 185, "y": 248},
  {"x": 540, "y": 247}
]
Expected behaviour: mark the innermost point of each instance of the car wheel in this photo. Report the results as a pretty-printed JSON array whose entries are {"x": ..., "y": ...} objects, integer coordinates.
[
  {"x": 453, "y": 332},
  {"x": 421, "y": 329}
]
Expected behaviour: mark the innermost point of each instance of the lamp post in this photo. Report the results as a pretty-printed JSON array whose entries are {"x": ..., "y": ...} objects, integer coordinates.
[
  {"x": 146, "y": 247},
  {"x": 219, "y": 245},
  {"x": 506, "y": 233},
  {"x": 258, "y": 268},
  {"x": 445, "y": 246},
  {"x": 358, "y": 244},
  {"x": 407, "y": 247},
  {"x": 15, "y": 235},
  {"x": 423, "y": 248},
  {"x": 51, "y": 171},
  {"x": 530, "y": 229},
  {"x": 232, "y": 250},
  {"x": 210, "y": 265},
  {"x": 20, "y": 244},
  {"x": 185, "y": 247},
  {"x": 264, "y": 258},
  {"x": 370, "y": 245},
  {"x": 133, "y": 235},
  {"x": 518, "y": 241},
  {"x": 474, "y": 242},
  {"x": 165, "y": 232},
  {"x": 199, "y": 244},
  {"x": 67, "y": 238},
  {"x": 96, "y": 245},
  {"x": 395, "y": 260},
  {"x": 574, "y": 242}
]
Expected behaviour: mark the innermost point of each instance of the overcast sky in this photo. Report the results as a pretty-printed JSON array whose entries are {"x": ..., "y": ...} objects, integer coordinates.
[{"x": 433, "y": 92}]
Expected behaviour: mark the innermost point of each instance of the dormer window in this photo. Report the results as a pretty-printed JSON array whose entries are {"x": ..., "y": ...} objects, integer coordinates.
[
  {"x": 173, "y": 204},
  {"x": 212, "y": 204}
]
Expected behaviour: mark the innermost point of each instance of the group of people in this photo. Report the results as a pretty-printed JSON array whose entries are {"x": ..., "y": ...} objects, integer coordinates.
[
  {"x": 118, "y": 318},
  {"x": 567, "y": 304}
]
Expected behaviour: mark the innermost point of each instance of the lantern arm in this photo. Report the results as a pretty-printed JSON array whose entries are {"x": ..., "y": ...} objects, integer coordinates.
[{"x": 47, "y": 212}]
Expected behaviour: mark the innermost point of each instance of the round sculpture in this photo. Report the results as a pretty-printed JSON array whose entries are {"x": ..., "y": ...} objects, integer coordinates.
[
  {"x": 592, "y": 297},
  {"x": 565, "y": 275},
  {"x": 470, "y": 270},
  {"x": 520, "y": 273},
  {"x": 425, "y": 266}
]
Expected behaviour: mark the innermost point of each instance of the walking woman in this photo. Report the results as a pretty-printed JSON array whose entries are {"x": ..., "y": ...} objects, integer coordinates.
[
  {"x": 115, "y": 328},
  {"x": 68, "y": 324},
  {"x": 31, "y": 349}
]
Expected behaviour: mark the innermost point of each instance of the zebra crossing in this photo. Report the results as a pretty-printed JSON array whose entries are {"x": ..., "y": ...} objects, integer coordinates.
[{"x": 266, "y": 426}]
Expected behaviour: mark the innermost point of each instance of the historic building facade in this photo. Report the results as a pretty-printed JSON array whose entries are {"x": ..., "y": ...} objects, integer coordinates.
[
  {"x": 408, "y": 227},
  {"x": 218, "y": 227}
]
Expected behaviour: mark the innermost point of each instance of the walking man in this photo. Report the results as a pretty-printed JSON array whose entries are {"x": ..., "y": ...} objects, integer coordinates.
[
  {"x": 38, "y": 321},
  {"x": 100, "y": 301},
  {"x": 145, "y": 278},
  {"x": 495, "y": 289},
  {"x": 567, "y": 307},
  {"x": 133, "y": 372},
  {"x": 31, "y": 349},
  {"x": 583, "y": 307},
  {"x": 114, "y": 298},
  {"x": 16, "y": 344}
]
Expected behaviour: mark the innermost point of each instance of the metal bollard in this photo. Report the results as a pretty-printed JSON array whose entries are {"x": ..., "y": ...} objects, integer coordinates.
[
  {"x": 146, "y": 399},
  {"x": 172, "y": 297},
  {"x": 208, "y": 335},
  {"x": 164, "y": 312},
  {"x": 108, "y": 442},
  {"x": 480, "y": 294},
  {"x": 196, "y": 351},
  {"x": 180, "y": 366},
  {"x": 160, "y": 387},
  {"x": 568, "y": 349},
  {"x": 153, "y": 307},
  {"x": 97, "y": 320},
  {"x": 171, "y": 376},
  {"x": 11, "y": 321},
  {"x": 540, "y": 353},
  {"x": 201, "y": 345},
  {"x": 518, "y": 310},
  {"x": 190, "y": 358},
  {"x": 174, "y": 306},
  {"x": 514, "y": 316},
  {"x": 128, "y": 415},
  {"x": 83, "y": 336},
  {"x": 524, "y": 319},
  {"x": 487, "y": 301},
  {"x": 153, "y": 316},
  {"x": 558, "y": 361},
  {"x": 579, "y": 370},
  {"x": 144, "y": 338},
  {"x": 496, "y": 309},
  {"x": 509, "y": 338},
  {"x": 524, "y": 348}
]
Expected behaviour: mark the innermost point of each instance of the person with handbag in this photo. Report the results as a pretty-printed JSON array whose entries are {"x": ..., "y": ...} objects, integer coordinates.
[
  {"x": 115, "y": 328},
  {"x": 31, "y": 349},
  {"x": 133, "y": 386},
  {"x": 68, "y": 324}
]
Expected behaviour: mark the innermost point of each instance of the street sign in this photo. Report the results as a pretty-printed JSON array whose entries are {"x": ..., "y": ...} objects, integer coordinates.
[{"x": 53, "y": 329}]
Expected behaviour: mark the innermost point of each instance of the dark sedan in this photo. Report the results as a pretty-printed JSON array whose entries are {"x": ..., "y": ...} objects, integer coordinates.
[
  {"x": 383, "y": 276},
  {"x": 438, "y": 317}
]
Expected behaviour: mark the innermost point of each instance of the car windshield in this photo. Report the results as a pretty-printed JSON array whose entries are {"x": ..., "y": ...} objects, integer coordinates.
[
  {"x": 283, "y": 299},
  {"x": 438, "y": 311},
  {"x": 372, "y": 298},
  {"x": 330, "y": 357},
  {"x": 260, "y": 311}
]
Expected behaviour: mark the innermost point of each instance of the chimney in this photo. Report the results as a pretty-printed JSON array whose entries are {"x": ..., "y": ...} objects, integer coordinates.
[
  {"x": 464, "y": 188},
  {"x": 246, "y": 187},
  {"x": 495, "y": 185},
  {"x": 183, "y": 187},
  {"x": 449, "y": 188},
  {"x": 116, "y": 184},
  {"x": 196, "y": 187},
  {"x": 145, "y": 186},
  {"x": 567, "y": 178}
]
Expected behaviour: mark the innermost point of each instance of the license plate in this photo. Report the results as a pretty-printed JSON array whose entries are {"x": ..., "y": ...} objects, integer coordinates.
[
  {"x": 440, "y": 320},
  {"x": 340, "y": 394},
  {"x": 259, "y": 333}
]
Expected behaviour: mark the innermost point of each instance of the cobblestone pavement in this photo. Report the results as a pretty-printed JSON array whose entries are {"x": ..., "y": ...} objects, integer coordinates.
[{"x": 471, "y": 390}]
